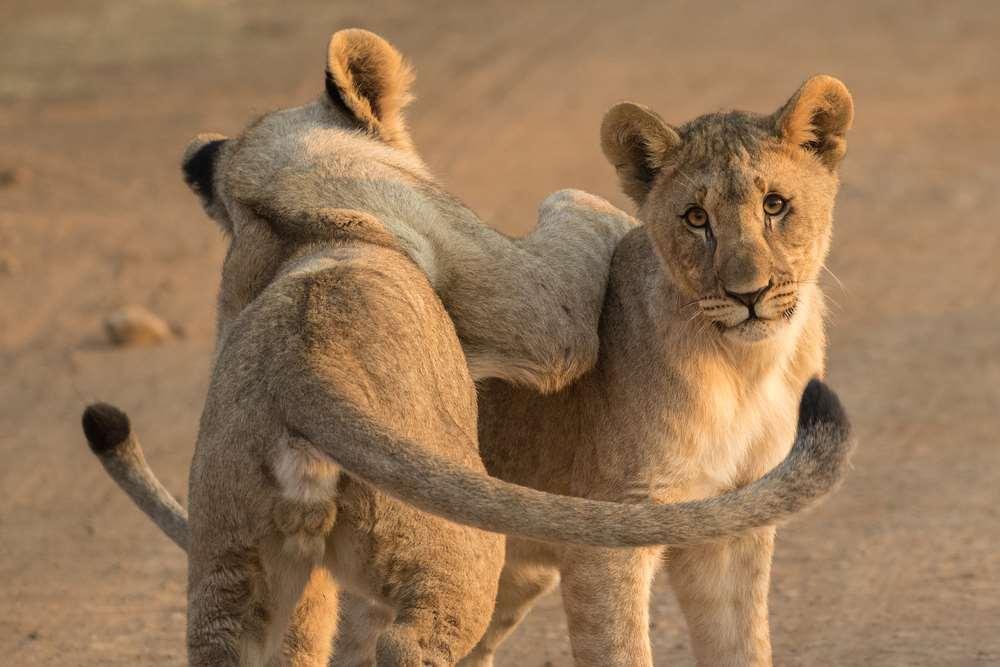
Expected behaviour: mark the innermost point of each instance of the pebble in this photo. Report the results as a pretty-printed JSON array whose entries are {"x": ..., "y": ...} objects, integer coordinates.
[
  {"x": 11, "y": 176},
  {"x": 8, "y": 264},
  {"x": 135, "y": 325}
]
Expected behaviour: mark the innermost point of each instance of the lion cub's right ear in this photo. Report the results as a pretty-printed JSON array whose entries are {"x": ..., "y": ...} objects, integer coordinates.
[
  {"x": 638, "y": 144},
  {"x": 369, "y": 80}
]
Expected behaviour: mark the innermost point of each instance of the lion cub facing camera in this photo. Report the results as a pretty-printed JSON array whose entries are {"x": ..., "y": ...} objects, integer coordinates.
[{"x": 712, "y": 326}]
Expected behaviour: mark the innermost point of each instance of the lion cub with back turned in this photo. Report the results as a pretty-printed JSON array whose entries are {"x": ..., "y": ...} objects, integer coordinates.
[{"x": 712, "y": 326}]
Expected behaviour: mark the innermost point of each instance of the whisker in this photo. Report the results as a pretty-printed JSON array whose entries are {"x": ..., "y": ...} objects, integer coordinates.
[
  {"x": 696, "y": 326},
  {"x": 705, "y": 332},
  {"x": 837, "y": 278},
  {"x": 834, "y": 302},
  {"x": 699, "y": 329}
]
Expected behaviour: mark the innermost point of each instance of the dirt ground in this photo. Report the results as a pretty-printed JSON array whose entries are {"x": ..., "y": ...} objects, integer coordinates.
[{"x": 98, "y": 99}]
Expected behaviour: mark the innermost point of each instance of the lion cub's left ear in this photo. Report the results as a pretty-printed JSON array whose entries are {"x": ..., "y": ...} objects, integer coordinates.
[
  {"x": 368, "y": 79},
  {"x": 817, "y": 118}
]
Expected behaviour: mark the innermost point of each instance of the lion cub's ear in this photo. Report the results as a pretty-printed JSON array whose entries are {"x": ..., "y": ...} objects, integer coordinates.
[
  {"x": 199, "y": 165},
  {"x": 817, "y": 118},
  {"x": 638, "y": 144},
  {"x": 368, "y": 79}
]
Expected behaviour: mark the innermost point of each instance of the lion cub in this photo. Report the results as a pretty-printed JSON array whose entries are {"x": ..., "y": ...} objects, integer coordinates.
[{"x": 712, "y": 325}]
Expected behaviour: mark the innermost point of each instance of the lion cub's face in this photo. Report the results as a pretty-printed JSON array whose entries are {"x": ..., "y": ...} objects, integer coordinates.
[
  {"x": 738, "y": 205},
  {"x": 741, "y": 224}
]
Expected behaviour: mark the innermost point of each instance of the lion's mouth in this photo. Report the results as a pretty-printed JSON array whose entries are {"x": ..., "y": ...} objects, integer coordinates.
[
  {"x": 751, "y": 322},
  {"x": 748, "y": 322},
  {"x": 754, "y": 327}
]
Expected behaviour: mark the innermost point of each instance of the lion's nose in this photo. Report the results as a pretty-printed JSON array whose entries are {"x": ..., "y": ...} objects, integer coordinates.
[{"x": 749, "y": 299}]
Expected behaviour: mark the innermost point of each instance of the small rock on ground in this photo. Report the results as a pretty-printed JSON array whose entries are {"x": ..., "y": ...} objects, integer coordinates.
[
  {"x": 135, "y": 325},
  {"x": 11, "y": 176}
]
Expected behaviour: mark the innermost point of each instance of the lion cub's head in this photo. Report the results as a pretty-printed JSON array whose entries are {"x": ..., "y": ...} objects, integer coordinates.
[
  {"x": 738, "y": 205},
  {"x": 269, "y": 164},
  {"x": 279, "y": 186}
]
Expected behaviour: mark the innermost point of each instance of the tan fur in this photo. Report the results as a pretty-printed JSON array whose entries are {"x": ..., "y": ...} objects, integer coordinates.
[
  {"x": 340, "y": 378},
  {"x": 491, "y": 285},
  {"x": 689, "y": 398}
]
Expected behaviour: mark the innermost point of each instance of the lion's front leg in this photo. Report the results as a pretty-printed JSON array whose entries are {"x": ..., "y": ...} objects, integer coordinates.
[
  {"x": 606, "y": 597},
  {"x": 527, "y": 310},
  {"x": 722, "y": 589}
]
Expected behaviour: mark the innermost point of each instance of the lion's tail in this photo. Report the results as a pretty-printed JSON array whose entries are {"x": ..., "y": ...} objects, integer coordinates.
[
  {"x": 813, "y": 468},
  {"x": 110, "y": 436},
  {"x": 422, "y": 478}
]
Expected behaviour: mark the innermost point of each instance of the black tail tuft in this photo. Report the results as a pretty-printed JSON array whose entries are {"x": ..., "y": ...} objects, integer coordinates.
[
  {"x": 105, "y": 426},
  {"x": 820, "y": 407}
]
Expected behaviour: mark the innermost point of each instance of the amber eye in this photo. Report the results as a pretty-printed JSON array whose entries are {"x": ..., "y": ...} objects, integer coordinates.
[
  {"x": 775, "y": 204},
  {"x": 696, "y": 216}
]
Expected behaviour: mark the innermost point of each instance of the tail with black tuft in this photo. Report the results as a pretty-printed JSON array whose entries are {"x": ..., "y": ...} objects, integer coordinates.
[
  {"x": 821, "y": 407},
  {"x": 109, "y": 434},
  {"x": 106, "y": 427}
]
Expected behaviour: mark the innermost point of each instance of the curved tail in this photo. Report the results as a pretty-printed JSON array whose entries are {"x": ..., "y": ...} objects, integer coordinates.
[
  {"x": 813, "y": 468},
  {"x": 110, "y": 436}
]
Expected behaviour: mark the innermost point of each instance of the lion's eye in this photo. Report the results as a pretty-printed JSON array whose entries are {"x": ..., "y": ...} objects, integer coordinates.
[
  {"x": 775, "y": 204},
  {"x": 696, "y": 216}
]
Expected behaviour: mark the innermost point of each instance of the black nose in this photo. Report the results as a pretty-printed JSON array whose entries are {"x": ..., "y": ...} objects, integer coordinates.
[{"x": 749, "y": 299}]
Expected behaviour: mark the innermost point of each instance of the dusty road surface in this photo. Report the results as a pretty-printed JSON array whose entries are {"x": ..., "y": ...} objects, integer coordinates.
[{"x": 98, "y": 99}]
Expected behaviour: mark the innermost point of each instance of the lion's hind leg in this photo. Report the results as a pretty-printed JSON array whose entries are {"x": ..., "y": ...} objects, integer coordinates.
[
  {"x": 227, "y": 608},
  {"x": 524, "y": 579},
  {"x": 443, "y": 609},
  {"x": 361, "y": 623},
  {"x": 312, "y": 621},
  {"x": 257, "y": 605},
  {"x": 422, "y": 636},
  {"x": 422, "y": 588}
]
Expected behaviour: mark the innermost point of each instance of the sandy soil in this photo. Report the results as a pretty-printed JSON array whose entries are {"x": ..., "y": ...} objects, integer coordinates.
[{"x": 98, "y": 99}]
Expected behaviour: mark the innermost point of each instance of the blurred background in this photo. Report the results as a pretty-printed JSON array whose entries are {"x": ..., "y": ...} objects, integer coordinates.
[{"x": 98, "y": 99}]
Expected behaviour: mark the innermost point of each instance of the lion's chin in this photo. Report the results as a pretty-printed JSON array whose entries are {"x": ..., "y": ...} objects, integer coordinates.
[{"x": 751, "y": 330}]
